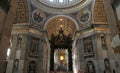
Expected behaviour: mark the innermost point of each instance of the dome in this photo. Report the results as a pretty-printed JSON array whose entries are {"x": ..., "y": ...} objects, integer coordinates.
[
  {"x": 61, "y": 3},
  {"x": 60, "y": 6}
]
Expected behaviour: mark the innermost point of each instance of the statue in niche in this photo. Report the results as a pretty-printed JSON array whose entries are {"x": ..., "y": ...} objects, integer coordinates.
[
  {"x": 19, "y": 41},
  {"x": 103, "y": 42},
  {"x": 32, "y": 67},
  {"x": 90, "y": 67},
  {"x": 38, "y": 16},
  {"x": 88, "y": 45},
  {"x": 15, "y": 66},
  {"x": 107, "y": 66}
]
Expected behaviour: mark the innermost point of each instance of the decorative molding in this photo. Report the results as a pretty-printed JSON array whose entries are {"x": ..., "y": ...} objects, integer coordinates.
[{"x": 26, "y": 29}]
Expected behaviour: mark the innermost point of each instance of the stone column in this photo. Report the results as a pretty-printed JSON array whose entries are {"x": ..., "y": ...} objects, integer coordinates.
[
  {"x": 41, "y": 66},
  {"x": 2, "y": 49},
  {"x": 100, "y": 54},
  {"x": 105, "y": 53},
  {"x": 85, "y": 56},
  {"x": 111, "y": 53},
  {"x": 80, "y": 51},
  {"x": 6, "y": 22}
]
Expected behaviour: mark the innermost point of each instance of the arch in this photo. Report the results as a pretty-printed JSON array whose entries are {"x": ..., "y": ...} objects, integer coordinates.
[{"x": 76, "y": 24}]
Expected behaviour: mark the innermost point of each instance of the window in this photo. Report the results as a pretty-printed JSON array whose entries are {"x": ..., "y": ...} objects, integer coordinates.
[
  {"x": 61, "y": 1},
  {"x": 51, "y": 0},
  {"x": 8, "y": 53},
  {"x": 70, "y": 0}
]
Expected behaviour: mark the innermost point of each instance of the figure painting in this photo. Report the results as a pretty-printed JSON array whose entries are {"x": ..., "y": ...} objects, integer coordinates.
[
  {"x": 37, "y": 16},
  {"x": 34, "y": 46},
  {"x": 88, "y": 46}
]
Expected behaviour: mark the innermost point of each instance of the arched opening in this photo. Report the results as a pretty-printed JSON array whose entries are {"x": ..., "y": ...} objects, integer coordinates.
[
  {"x": 61, "y": 31},
  {"x": 67, "y": 23}
]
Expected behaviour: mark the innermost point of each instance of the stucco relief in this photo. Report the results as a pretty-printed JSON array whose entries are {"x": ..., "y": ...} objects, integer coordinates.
[
  {"x": 38, "y": 16},
  {"x": 84, "y": 16}
]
